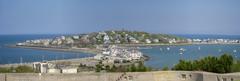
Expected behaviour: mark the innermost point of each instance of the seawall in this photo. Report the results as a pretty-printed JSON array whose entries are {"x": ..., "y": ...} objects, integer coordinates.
[{"x": 130, "y": 76}]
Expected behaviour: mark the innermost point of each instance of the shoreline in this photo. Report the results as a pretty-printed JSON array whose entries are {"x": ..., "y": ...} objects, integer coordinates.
[
  {"x": 74, "y": 50},
  {"x": 93, "y": 51},
  {"x": 96, "y": 51}
]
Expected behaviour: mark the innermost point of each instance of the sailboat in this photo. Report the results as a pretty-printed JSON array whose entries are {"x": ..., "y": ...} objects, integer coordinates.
[{"x": 199, "y": 48}]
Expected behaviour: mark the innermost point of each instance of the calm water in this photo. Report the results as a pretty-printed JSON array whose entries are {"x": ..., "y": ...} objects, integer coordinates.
[
  {"x": 13, "y": 55},
  {"x": 161, "y": 58},
  {"x": 158, "y": 58}
]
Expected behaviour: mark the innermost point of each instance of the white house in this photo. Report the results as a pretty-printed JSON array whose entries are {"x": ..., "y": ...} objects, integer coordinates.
[
  {"x": 155, "y": 40},
  {"x": 148, "y": 41},
  {"x": 76, "y": 37},
  {"x": 41, "y": 67}
]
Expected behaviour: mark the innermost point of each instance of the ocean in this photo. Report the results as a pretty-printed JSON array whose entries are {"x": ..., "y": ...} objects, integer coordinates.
[
  {"x": 14, "y": 55},
  {"x": 160, "y": 56}
]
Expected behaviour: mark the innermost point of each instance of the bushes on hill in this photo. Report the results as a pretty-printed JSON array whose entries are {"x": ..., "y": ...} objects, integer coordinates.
[
  {"x": 222, "y": 64},
  {"x": 138, "y": 67}
]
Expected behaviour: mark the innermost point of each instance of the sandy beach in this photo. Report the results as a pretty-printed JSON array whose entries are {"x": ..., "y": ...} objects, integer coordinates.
[{"x": 82, "y": 50}]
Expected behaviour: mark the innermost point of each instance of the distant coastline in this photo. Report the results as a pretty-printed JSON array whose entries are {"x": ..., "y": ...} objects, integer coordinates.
[
  {"x": 96, "y": 51},
  {"x": 75, "y": 50}
]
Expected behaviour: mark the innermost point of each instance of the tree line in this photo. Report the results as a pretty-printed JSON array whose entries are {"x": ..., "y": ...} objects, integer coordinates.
[
  {"x": 223, "y": 64},
  {"x": 19, "y": 69},
  {"x": 136, "y": 67}
]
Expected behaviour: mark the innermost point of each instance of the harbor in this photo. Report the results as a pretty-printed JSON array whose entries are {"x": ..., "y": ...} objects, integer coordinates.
[{"x": 155, "y": 53}]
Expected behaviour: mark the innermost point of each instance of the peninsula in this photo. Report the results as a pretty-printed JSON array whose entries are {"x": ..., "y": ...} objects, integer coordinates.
[{"x": 94, "y": 41}]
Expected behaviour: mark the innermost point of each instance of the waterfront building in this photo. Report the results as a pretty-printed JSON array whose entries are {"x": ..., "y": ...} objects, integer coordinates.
[
  {"x": 41, "y": 67},
  {"x": 44, "y": 67},
  {"x": 114, "y": 53}
]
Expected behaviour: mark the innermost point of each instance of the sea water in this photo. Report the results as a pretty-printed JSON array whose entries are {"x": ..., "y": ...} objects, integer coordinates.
[
  {"x": 14, "y": 55},
  {"x": 160, "y": 56}
]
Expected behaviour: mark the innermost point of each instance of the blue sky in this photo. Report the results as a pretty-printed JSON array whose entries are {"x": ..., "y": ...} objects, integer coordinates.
[{"x": 154, "y": 16}]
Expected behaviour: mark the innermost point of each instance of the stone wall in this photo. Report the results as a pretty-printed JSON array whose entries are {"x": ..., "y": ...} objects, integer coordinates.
[{"x": 134, "y": 76}]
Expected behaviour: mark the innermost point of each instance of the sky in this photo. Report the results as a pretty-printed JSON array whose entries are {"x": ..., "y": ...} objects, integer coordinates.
[{"x": 153, "y": 16}]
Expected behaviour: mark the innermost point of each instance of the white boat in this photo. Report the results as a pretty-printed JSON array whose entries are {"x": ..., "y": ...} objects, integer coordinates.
[
  {"x": 234, "y": 51},
  {"x": 168, "y": 48},
  {"x": 219, "y": 50},
  {"x": 199, "y": 48},
  {"x": 180, "y": 53},
  {"x": 182, "y": 49}
]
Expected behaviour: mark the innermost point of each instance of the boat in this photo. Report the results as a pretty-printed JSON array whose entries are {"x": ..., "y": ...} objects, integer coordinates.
[
  {"x": 199, "y": 48},
  {"x": 160, "y": 49},
  {"x": 168, "y": 48},
  {"x": 234, "y": 51},
  {"x": 219, "y": 50},
  {"x": 182, "y": 49},
  {"x": 180, "y": 53}
]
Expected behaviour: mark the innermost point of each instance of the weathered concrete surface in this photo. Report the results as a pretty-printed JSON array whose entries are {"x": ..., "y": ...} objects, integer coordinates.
[
  {"x": 134, "y": 76},
  {"x": 2, "y": 77}
]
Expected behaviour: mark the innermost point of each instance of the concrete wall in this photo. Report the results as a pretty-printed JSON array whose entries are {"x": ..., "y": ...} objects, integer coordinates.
[
  {"x": 2, "y": 77},
  {"x": 135, "y": 76}
]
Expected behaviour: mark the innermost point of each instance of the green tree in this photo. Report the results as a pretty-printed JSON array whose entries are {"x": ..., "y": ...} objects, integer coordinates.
[
  {"x": 227, "y": 62},
  {"x": 183, "y": 65},
  {"x": 24, "y": 69},
  {"x": 4, "y": 70},
  {"x": 133, "y": 68},
  {"x": 236, "y": 66},
  {"x": 165, "y": 68},
  {"x": 113, "y": 69},
  {"x": 222, "y": 64},
  {"x": 107, "y": 68}
]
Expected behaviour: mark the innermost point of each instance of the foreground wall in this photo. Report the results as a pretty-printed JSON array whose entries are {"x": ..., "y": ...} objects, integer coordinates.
[{"x": 136, "y": 76}]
